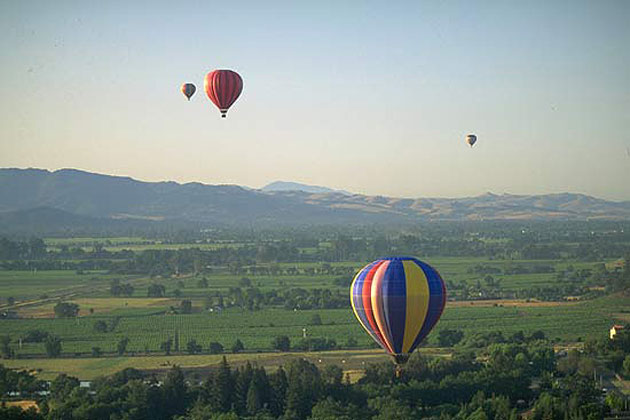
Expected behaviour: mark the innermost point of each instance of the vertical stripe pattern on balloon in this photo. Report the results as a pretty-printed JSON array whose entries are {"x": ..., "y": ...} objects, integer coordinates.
[
  {"x": 398, "y": 300},
  {"x": 223, "y": 88}
]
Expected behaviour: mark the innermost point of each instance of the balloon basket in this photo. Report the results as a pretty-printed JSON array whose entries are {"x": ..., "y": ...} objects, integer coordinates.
[{"x": 399, "y": 361}]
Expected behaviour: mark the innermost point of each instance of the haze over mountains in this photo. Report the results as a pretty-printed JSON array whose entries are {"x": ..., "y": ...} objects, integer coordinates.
[
  {"x": 66, "y": 198},
  {"x": 296, "y": 186}
]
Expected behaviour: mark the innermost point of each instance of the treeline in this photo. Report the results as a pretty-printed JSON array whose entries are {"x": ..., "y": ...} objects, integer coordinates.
[
  {"x": 553, "y": 240},
  {"x": 481, "y": 290},
  {"x": 495, "y": 381},
  {"x": 570, "y": 282},
  {"x": 33, "y": 248},
  {"x": 290, "y": 298}
]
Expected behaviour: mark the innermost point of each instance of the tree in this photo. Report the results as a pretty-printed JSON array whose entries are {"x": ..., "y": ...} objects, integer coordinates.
[
  {"x": 332, "y": 375},
  {"x": 100, "y": 326},
  {"x": 96, "y": 352},
  {"x": 278, "y": 383},
  {"x": 330, "y": 409},
  {"x": 448, "y": 338},
  {"x": 304, "y": 389},
  {"x": 156, "y": 290},
  {"x": 316, "y": 320},
  {"x": 245, "y": 282},
  {"x": 351, "y": 342},
  {"x": 11, "y": 301},
  {"x": 537, "y": 335},
  {"x": 316, "y": 344},
  {"x": 177, "y": 293},
  {"x": 207, "y": 302},
  {"x": 192, "y": 347},
  {"x": 257, "y": 392},
  {"x": 122, "y": 346},
  {"x": 62, "y": 386},
  {"x": 115, "y": 289},
  {"x": 52, "y": 346},
  {"x": 174, "y": 392},
  {"x": 185, "y": 306},
  {"x": 166, "y": 346},
  {"x": 222, "y": 387},
  {"x": 17, "y": 413},
  {"x": 615, "y": 400},
  {"x": 203, "y": 283},
  {"x": 5, "y": 347},
  {"x": 66, "y": 310},
  {"x": 281, "y": 343},
  {"x": 127, "y": 289},
  {"x": 238, "y": 346},
  {"x": 34, "y": 336},
  {"x": 626, "y": 366},
  {"x": 216, "y": 347},
  {"x": 390, "y": 409}
]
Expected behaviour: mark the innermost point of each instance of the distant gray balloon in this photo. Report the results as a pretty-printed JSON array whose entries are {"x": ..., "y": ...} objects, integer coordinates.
[
  {"x": 471, "y": 139},
  {"x": 188, "y": 89}
]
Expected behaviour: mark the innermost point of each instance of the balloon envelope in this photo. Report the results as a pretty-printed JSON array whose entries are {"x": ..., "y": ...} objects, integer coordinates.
[
  {"x": 223, "y": 87},
  {"x": 398, "y": 300},
  {"x": 188, "y": 89},
  {"x": 471, "y": 139}
]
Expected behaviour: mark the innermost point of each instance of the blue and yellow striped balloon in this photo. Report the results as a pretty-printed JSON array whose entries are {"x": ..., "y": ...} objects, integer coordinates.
[{"x": 398, "y": 300}]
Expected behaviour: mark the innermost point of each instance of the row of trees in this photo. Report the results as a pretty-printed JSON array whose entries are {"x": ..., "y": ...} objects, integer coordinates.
[
  {"x": 583, "y": 241},
  {"x": 494, "y": 383}
]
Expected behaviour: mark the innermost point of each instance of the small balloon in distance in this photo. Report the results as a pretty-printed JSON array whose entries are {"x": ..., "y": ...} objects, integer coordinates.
[
  {"x": 188, "y": 89},
  {"x": 471, "y": 139}
]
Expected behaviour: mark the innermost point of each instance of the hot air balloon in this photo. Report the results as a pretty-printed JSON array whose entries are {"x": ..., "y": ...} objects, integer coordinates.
[
  {"x": 223, "y": 87},
  {"x": 398, "y": 300},
  {"x": 188, "y": 89},
  {"x": 471, "y": 139}
]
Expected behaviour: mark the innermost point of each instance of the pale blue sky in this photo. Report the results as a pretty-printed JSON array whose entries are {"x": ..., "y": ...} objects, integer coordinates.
[{"x": 369, "y": 96}]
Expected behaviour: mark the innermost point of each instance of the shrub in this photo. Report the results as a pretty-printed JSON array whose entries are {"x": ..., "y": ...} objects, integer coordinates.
[
  {"x": 216, "y": 348},
  {"x": 281, "y": 343}
]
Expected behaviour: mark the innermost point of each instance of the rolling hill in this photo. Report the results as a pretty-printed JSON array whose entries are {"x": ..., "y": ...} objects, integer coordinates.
[{"x": 70, "y": 197}]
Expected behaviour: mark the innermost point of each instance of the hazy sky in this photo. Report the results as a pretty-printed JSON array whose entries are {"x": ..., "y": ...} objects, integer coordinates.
[{"x": 373, "y": 97}]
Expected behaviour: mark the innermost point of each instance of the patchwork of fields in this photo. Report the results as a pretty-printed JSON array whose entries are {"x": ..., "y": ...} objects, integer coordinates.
[
  {"x": 28, "y": 299},
  {"x": 146, "y": 328},
  {"x": 150, "y": 321}
]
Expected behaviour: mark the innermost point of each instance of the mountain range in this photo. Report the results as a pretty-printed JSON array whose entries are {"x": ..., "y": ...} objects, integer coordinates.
[{"x": 70, "y": 197}]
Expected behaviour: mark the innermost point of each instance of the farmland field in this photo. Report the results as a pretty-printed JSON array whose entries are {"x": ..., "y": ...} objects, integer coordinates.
[
  {"x": 32, "y": 284},
  {"x": 486, "y": 294},
  {"x": 115, "y": 244},
  {"x": 90, "y": 368},
  {"x": 147, "y": 324}
]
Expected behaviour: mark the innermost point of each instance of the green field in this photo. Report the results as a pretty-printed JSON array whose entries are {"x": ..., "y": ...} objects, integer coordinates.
[
  {"x": 90, "y": 368},
  {"x": 23, "y": 285},
  {"x": 115, "y": 244},
  {"x": 147, "y": 327},
  {"x": 148, "y": 322}
]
